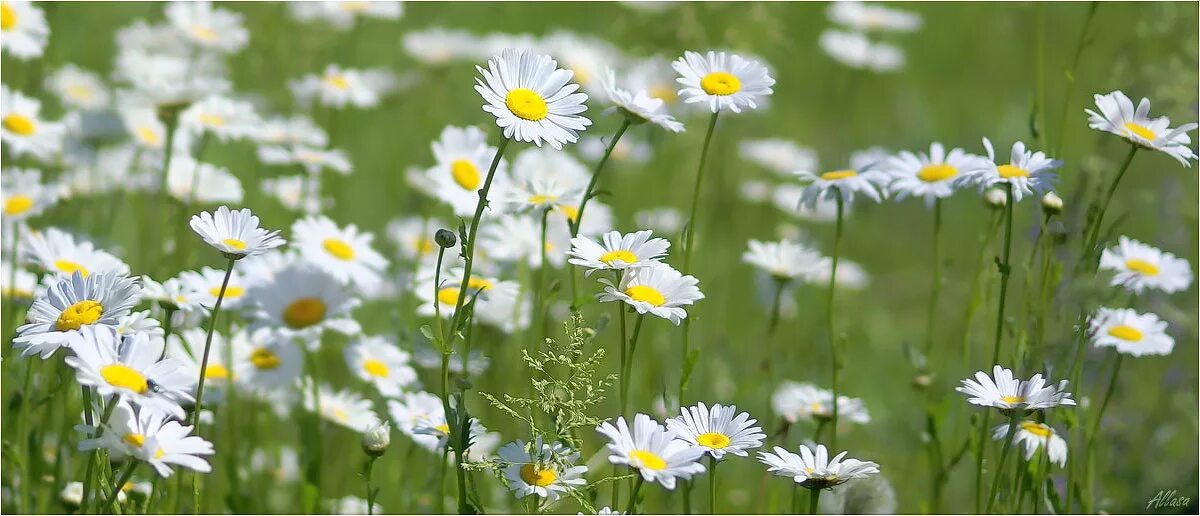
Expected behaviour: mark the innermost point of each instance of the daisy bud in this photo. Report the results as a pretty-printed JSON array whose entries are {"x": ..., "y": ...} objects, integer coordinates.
[
  {"x": 72, "y": 494},
  {"x": 995, "y": 198},
  {"x": 445, "y": 238},
  {"x": 1052, "y": 204},
  {"x": 376, "y": 439}
]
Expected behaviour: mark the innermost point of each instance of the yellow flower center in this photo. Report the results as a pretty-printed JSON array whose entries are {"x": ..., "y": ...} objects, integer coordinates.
[
  {"x": 1037, "y": 429},
  {"x": 816, "y": 408},
  {"x": 204, "y": 33},
  {"x": 1142, "y": 266},
  {"x": 375, "y": 368},
  {"x": 1140, "y": 130},
  {"x": 526, "y": 104},
  {"x": 211, "y": 120},
  {"x": 18, "y": 204},
  {"x": 263, "y": 358},
  {"x": 425, "y": 245},
  {"x": 1012, "y": 399},
  {"x": 353, "y": 7},
  {"x": 304, "y": 312},
  {"x": 340, "y": 414},
  {"x": 448, "y": 296},
  {"x": 570, "y": 212},
  {"x": 542, "y": 199},
  {"x": 1126, "y": 332},
  {"x": 234, "y": 243},
  {"x": 537, "y": 477},
  {"x": 664, "y": 92},
  {"x": 838, "y": 174},
  {"x": 158, "y": 454},
  {"x": 124, "y": 377},
  {"x": 231, "y": 291},
  {"x": 465, "y": 174},
  {"x": 338, "y": 81},
  {"x": 69, "y": 267},
  {"x": 937, "y": 172},
  {"x": 149, "y": 136},
  {"x": 216, "y": 372},
  {"x": 1010, "y": 171},
  {"x": 19, "y": 124},
  {"x": 648, "y": 460},
  {"x": 79, "y": 314},
  {"x": 477, "y": 283},
  {"x": 79, "y": 92},
  {"x": 619, "y": 254},
  {"x": 8, "y": 16},
  {"x": 443, "y": 428},
  {"x": 713, "y": 440},
  {"x": 134, "y": 439},
  {"x": 339, "y": 249},
  {"x": 720, "y": 83},
  {"x": 645, "y": 294}
]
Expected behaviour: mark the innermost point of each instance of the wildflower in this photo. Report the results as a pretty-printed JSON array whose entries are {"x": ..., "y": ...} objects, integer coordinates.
[
  {"x": 344, "y": 407},
  {"x": 205, "y": 286},
  {"x": 235, "y": 233},
  {"x": 376, "y": 439},
  {"x": 301, "y": 300},
  {"x": 339, "y": 87},
  {"x": 717, "y": 431},
  {"x": 778, "y": 155},
  {"x": 312, "y": 159},
  {"x": 187, "y": 348},
  {"x": 343, "y": 15},
  {"x": 21, "y": 128},
  {"x": 463, "y": 158},
  {"x": 532, "y": 99},
  {"x": 169, "y": 82},
  {"x": 639, "y": 107},
  {"x": 23, "y": 195},
  {"x": 1052, "y": 204},
  {"x": 813, "y": 468},
  {"x": 544, "y": 470},
  {"x": 931, "y": 176},
  {"x": 78, "y": 88},
  {"x": 784, "y": 260},
  {"x": 1008, "y": 393},
  {"x": 1138, "y": 267},
  {"x": 72, "y": 304},
  {"x": 152, "y": 437},
  {"x": 223, "y": 117},
  {"x": 1028, "y": 172},
  {"x": 652, "y": 450},
  {"x": 723, "y": 81},
  {"x": 855, "y": 50},
  {"x": 345, "y": 253},
  {"x": 1130, "y": 332},
  {"x": 803, "y": 401},
  {"x": 414, "y": 410},
  {"x": 586, "y": 57},
  {"x": 1032, "y": 436},
  {"x": 864, "y": 16},
  {"x": 657, "y": 289},
  {"x": 58, "y": 252},
  {"x": 617, "y": 251},
  {"x": 264, "y": 359},
  {"x": 1117, "y": 116},
  {"x": 24, "y": 28},
  {"x": 438, "y": 45},
  {"x": 845, "y": 183},
  {"x": 129, "y": 368},
  {"x": 208, "y": 27},
  {"x": 381, "y": 363},
  {"x": 850, "y": 275}
]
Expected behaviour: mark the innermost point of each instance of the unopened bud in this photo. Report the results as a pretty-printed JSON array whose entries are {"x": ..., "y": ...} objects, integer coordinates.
[
  {"x": 1052, "y": 204},
  {"x": 995, "y": 197},
  {"x": 376, "y": 439},
  {"x": 72, "y": 494},
  {"x": 445, "y": 238}
]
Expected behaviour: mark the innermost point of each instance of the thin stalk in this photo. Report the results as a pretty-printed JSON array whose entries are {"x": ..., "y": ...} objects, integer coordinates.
[
  {"x": 1088, "y": 500},
  {"x": 633, "y": 340},
  {"x": 212, "y": 324},
  {"x": 712, "y": 485},
  {"x": 624, "y": 358},
  {"x": 688, "y": 244},
  {"x": 1012, "y": 427},
  {"x": 469, "y": 249},
  {"x": 1070, "y": 77},
  {"x": 13, "y": 304},
  {"x": 1097, "y": 226},
  {"x": 111, "y": 501},
  {"x": 1040, "y": 37},
  {"x": 814, "y": 498},
  {"x": 1004, "y": 268},
  {"x": 539, "y": 300},
  {"x": 631, "y": 506},
  {"x": 370, "y": 492},
  {"x": 833, "y": 351},
  {"x": 591, "y": 187},
  {"x": 936, "y": 284},
  {"x": 171, "y": 120}
]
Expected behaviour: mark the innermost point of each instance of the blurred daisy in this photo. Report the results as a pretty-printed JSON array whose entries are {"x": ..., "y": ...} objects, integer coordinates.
[
  {"x": 187, "y": 348},
  {"x": 617, "y": 251},
  {"x": 1008, "y": 393},
  {"x": 78, "y": 88},
  {"x": 313, "y": 160},
  {"x": 663, "y": 220},
  {"x": 544, "y": 179},
  {"x": 717, "y": 431},
  {"x": 652, "y": 450},
  {"x": 1130, "y": 332},
  {"x": 803, "y": 401},
  {"x": 517, "y": 238},
  {"x": 639, "y": 107},
  {"x": 207, "y": 27},
  {"x": 149, "y": 436},
  {"x": 71, "y": 304},
  {"x": 872, "y": 17},
  {"x": 339, "y": 87},
  {"x": 784, "y": 260},
  {"x": 221, "y": 116},
  {"x": 235, "y": 233},
  {"x": 23, "y": 194},
  {"x": 1117, "y": 116},
  {"x": 143, "y": 126},
  {"x": 545, "y": 470},
  {"x": 22, "y": 130},
  {"x": 204, "y": 287},
  {"x": 172, "y": 81},
  {"x": 293, "y": 130},
  {"x": 24, "y": 29},
  {"x": 531, "y": 98},
  {"x": 850, "y": 275},
  {"x": 57, "y": 252},
  {"x": 381, "y": 363},
  {"x": 299, "y": 193},
  {"x": 855, "y": 50},
  {"x": 414, "y": 410},
  {"x": 131, "y": 370},
  {"x": 587, "y": 57},
  {"x": 19, "y": 284},
  {"x": 414, "y": 237},
  {"x": 438, "y": 45},
  {"x": 935, "y": 175},
  {"x": 778, "y": 155},
  {"x": 1139, "y": 267},
  {"x": 463, "y": 158},
  {"x": 723, "y": 81},
  {"x": 264, "y": 359},
  {"x": 342, "y": 15},
  {"x": 656, "y": 289},
  {"x": 654, "y": 76},
  {"x": 191, "y": 181},
  {"x": 846, "y": 183},
  {"x": 140, "y": 322},
  {"x": 813, "y": 468},
  {"x": 344, "y": 407},
  {"x": 1031, "y": 436},
  {"x": 630, "y": 148},
  {"x": 170, "y": 294},
  {"x": 302, "y": 300},
  {"x": 345, "y": 253},
  {"x": 351, "y": 504},
  {"x": 492, "y": 294},
  {"x": 1028, "y": 172}
]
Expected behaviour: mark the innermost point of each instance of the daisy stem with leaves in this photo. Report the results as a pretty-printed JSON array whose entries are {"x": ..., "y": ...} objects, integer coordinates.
[
  {"x": 1008, "y": 439},
  {"x": 539, "y": 300},
  {"x": 1098, "y": 226},
  {"x": 628, "y": 368},
  {"x": 833, "y": 345},
  {"x": 1004, "y": 269},
  {"x": 712, "y": 485},
  {"x": 574, "y": 225},
  {"x": 936, "y": 284},
  {"x": 688, "y": 239},
  {"x": 814, "y": 498}
]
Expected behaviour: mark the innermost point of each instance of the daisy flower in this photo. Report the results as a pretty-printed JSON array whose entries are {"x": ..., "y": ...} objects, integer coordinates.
[
  {"x": 846, "y": 183},
  {"x": 221, "y": 116},
  {"x": 545, "y": 470},
  {"x": 342, "y": 15},
  {"x": 191, "y": 181},
  {"x": 312, "y": 159},
  {"x": 587, "y": 57},
  {"x": 302, "y": 300},
  {"x": 544, "y": 179},
  {"x": 187, "y": 348},
  {"x": 149, "y": 436},
  {"x": 933, "y": 176},
  {"x": 652, "y": 450},
  {"x": 235, "y": 233},
  {"x": 170, "y": 81},
  {"x": 72, "y": 304},
  {"x": 723, "y": 81},
  {"x": 654, "y": 76},
  {"x": 24, "y": 284},
  {"x": 206, "y": 27},
  {"x": 438, "y": 45},
  {"x": 717, "y": 431},
  {"x": 381, "y": 363},
  {"x": 1130, "y": 332},
  {"x": 487, "y": 291},
  {"x": 813, "y": 468},
  {"x": 1008, "y": 393},
  {"x": 294, "y": 130},
  {"x": 58, "y": 252},
  {"x": 299, "y": 193},
  {"x": 414, "y": 410},
  {"x": 532, "y": 99},
  {"x": 78, "y": 88},
  {"x": 414, "y": 237},
  {"x": 264, "y": 359},
  {"x": 129, "y": 368},
  {"x": 1028, "y": 172},
  {"x": 850, "y": 275},
  {"x": 517, "y": 238},
  {"x": 863, "y": 16},
  {"x": 205, "y": 286},
  {"x": 140, "y": 322},
  {"x": 1139, "y": 267},
  {"x": 630, "y": 149},
  {"x": 22, "y": 130},
  {"x": 1118, "y": 116},
  {"x": 617, "y": 252},
  {"x": 665, "y": 220},
  {"x": 656, "y": 289},
  {"x": 170, "y": 294},
  {"x": 143, "y": 126},
  {"x": 784, "y": 260},
  {"x": 23, "y": 195},
  {"x": 803, "y": 401},
  {"x": 778, "y": 155},
  {"x": 855, "y": 50},
  {"x": 345, "y": 253},
  {"x": 339, "y": 87},
  {"x": 344, "y": 407},
  {"x": 639, "y": 107},
  {"x": 1031, "y": 436},
  {"x": 24, "y": 29},
  {"x": 463, "y": 158}
]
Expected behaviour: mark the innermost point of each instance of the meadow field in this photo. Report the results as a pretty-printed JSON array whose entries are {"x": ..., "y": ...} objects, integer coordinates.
[{"x": 939, "y": 237}]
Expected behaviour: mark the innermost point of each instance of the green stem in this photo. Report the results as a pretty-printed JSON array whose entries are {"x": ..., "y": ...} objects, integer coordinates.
[
  {"x": 212, "y": 324},
  {"x": 1097, "y": 226},
  {"x": 624, "y": 358},
  {"x": 1070, "y": 77},
  {"x": 539, "y": 322},
  {"x": 1012, "y": 427},
  {"x": 1088, "y": 500},
  {"x": 370, "y": 493},
  {"x": 1005, "y": 270},
  {"x": 111, "y": 502},
  {"x": 164, "y": 207},
  {"x": 1040, "y": 102},
  {"x": 469, "y": 245},
  {"x": 814, "y": 498},
  {"x": 633, "y": 340},
  {"x": 688, "y": 244},
  {"x": 833, "y": 348},
  {"x": 631, "y": 506},
  {"x": 936, "y": 283},
  {"x": 587, "y": 194},
  {"x": 712, "y": 485}
]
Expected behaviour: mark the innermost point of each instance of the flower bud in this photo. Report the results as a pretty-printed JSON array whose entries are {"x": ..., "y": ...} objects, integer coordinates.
[
  {"x": 995, "y": 197},
  {"x": 445, "y": 238},
  {"x": 376, "y": 439},
  {"x": 72, "y": 494},
  {"x": 1052, "y": 204}
]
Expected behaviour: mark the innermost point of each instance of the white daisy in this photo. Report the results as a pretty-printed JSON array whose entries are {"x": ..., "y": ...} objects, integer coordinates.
[
  {"x": 664, "y": 220},
  {"x": 339, "y": 87},
  {"x": 380, "y": 362},
  {"x": 24, "y": 29},
  {"x": 784, "y": 260},
  {"x": 543, "y": 179},
  {"x": 129, "y": 368},
  {"x": 414, "y": 410},
  {"x": 1028, "y": 172},
  {"x": 140, "y": 322},
  {"x": 292, "y": 130},
  {"x": 299, "y": 193},
  {"x": 1032, "y": 436},
  {"x": 187, "y": 348},
  {"x": 24, "y": 285},
  {"x": 345, "y": 253},
  {"x": 1008, "y": 393},
  {"x": 265, "y": 359},
  {"x": 344, "y": 407},
  {"x": 302, "y": 300},
  {"x": 149, "y": 436},
  {"x": 1130, "y": 332},
  {"x": 58, "y": 252},
  {"x": 639, "y": 107},
  {"x": 78, "y": 88},
  {"x": 723, "y": 81},
  {"x": 312, "y": 159},
  {"x": 804, "y": 401},
  {"x": 717, "y": 431},
  {"x": 872, "y": 17},
  {"x": 1118, "y": 116},
  {"x": 657, "y": 289},
  {"x": 170, "y": 294},
  {"x": 846, "y": 183},
  {"x": 170, "y": 81},
  {"x": 414, "y": 237},
  {"x": 207, "y": 27},
  {"x": 587, "y": 57},
  {"x": 654, "y": 76},
  {"x": 490, "y": 293},
  {"x": 1138, "y": 267},
  {"x": 143, "y": 126},
  {"x": 778, "y": 155},
  {"x": 532, "y": 99},
  {"x": 342, "y": 15},
  {"x": 235, "y": 233},
  {"x": 931, "y": 176},
  {"x": 518, "y": 238},
  {"x": 221, "y": 116},
  {"x": 22, "y": 130},
  {"x": 193, "y": 182},
  {"x": 630, "y": 149},
  {"x": 204, "y": 287},
  {"x": 617, "y": 251},
  {"x": 850, "y": 275},
  {"x": 463, "y": 158},
  {"x": 438, "y": 45},
  {"x": 813, "y": 468},
  {"x": 74, "y": 303},
  {"x": 23, "y": 195},
  {"x": 545, "y": 470},
  {"x": 652, "y": 450},
  {"x": 856, "y": 50}
]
